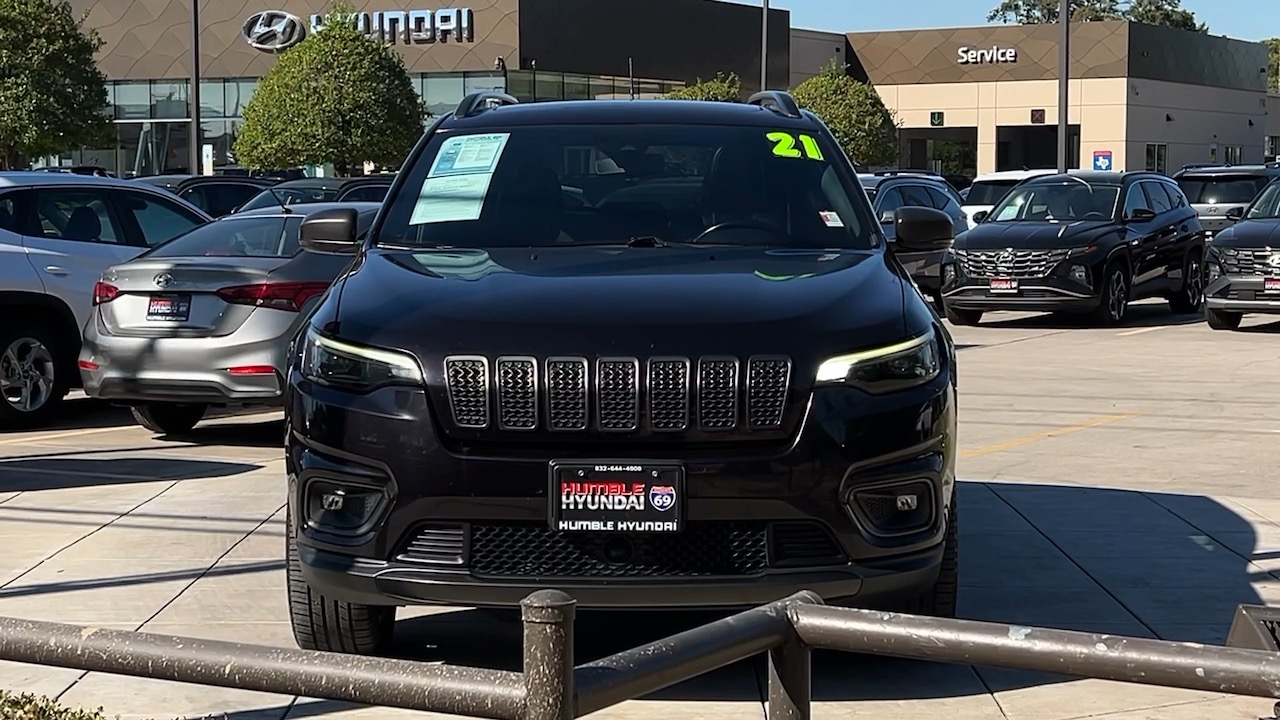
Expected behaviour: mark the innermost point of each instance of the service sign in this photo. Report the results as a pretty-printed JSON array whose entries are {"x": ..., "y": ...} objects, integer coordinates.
[
  {"x": 993, "y": 55},
  {"x": 617, "y": 498}
]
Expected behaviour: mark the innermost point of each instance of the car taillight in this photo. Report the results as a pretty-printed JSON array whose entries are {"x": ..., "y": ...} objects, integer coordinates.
[
  {"x": 289, "y": 296},
  {"x": 104, "y": 293}
]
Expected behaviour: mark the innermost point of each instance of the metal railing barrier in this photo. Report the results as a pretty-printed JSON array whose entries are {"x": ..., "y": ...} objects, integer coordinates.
[{"x": 552, "y": 687}]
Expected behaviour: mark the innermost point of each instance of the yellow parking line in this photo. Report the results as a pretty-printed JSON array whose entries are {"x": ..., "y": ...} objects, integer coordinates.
[
  {"x": 59, "y": 436},
  {"x": 1056, "y": 432},
  {"x": 1139, "y": 331}
]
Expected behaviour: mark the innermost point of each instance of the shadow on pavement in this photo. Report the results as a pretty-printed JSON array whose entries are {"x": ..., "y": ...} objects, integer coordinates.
[
  {"x": 40, "y": 473},
  {"x": 1072, "y": 557},
  {"x": 1139, "y": 316},
  {"x": 259, "y": 434},
  {"x": 17, "y": 589},
  {"x": 1263, "y": 328}
]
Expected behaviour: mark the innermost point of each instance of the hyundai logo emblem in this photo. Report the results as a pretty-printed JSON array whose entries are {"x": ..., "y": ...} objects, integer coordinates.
[
  {"x": 273, "y": 30},
  {"x": 1274, "y": 260},
  {"x": 1005, "y": 258},
  {"x": 164, "y": 280}
]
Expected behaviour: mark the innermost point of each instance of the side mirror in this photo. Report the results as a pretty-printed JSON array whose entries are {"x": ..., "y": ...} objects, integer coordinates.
[
  {"x": 1235, "y": 213},
  {"x": 921, "y": 229},
  {"x": 1141, "y": 215},
  {"x": 980, "y": 216},
  {"x": 330, "y": 231},
  {"x": 886, "y": 217}
]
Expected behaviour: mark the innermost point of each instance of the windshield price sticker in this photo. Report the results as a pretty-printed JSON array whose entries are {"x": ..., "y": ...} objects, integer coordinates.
[
  {"x": 458, "y": 182},
  {"x": 786, "y": 145}
]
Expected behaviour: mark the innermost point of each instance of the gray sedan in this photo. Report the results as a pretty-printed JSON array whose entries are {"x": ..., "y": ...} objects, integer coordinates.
[{"x": 206, "y": 318}]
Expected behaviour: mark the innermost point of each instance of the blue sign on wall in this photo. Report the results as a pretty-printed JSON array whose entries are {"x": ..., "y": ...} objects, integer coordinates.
[{"x": 1102, "y": 160}]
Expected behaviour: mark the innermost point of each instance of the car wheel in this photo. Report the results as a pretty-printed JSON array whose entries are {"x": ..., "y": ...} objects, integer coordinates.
[
  {"x": 940, "y": 599},
  {"x": 1223, "y": 319},
  {"x": 963, "y": 317},
  {"x": 1189, "y": 299},
  {"x": 33, "y": 378},
  {"x": 168, "y": 418},
  {"x": 1114, "y": 302},
  {"x": 321, "y": 623}
]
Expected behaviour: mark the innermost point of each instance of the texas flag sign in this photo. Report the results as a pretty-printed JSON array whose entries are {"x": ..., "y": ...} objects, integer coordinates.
[{"x": 1102, "y": 160}]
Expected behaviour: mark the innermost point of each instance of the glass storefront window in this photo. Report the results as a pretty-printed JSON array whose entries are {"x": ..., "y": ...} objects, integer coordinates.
[
  {"x": 648, "y": 89},
  {"x": 475, "y": 82},
  {"x": 169, "y": 100},
  {"x": 577, "y": 87},
  {"x": 549, "y": 86},
  {"x": 217, "y": 134},
  {"x": 152, "y": 148},
  {"x": 133, "y": 100},
  {"x": 443, "y": 92},
  {"x": 213, "y": 99},
  {"x": 520, "y": 85},
  {"x": 236, "y": 95},
  {"x": 602, "y": 88}
]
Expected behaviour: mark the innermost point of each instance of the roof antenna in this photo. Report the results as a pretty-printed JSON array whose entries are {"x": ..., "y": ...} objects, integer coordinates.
[{"x": 284, "y": 207}]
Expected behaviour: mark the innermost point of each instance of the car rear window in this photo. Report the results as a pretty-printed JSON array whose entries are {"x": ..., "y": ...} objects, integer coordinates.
[
  {"x": 236, "y": 236},
  {"x": 988, "y": 192},
  {"x": 1217, "y": 189},
  {"x": 290, "y": 196},
  {"x": 564, "y": 185}
]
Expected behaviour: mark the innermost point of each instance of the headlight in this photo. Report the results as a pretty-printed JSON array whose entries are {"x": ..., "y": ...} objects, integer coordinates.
[
  {"x": 885, "y": 369},
  {"x": 1078, "y": 251},
  {"x": 1212, "y": 264},
  {"x": 339, "y": 364}
]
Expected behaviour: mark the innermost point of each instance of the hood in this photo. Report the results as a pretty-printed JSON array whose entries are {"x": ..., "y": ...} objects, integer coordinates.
[
  {"x": 639, "y": 302},
  {"x": 1250, "y": 234},
  {"x": 1031, "y": 235}
]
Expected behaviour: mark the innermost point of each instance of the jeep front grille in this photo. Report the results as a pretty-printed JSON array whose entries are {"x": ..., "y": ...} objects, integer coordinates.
[
  {"x": 618, "y": 394},
  {"x": 1250, "y": 262},
  {"x": 1009, "y": 263}
]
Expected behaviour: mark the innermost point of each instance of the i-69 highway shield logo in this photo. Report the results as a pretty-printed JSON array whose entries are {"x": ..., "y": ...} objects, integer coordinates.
[
  {"x": 273, "y": 30},
  {"x": 662, "y": 497}
]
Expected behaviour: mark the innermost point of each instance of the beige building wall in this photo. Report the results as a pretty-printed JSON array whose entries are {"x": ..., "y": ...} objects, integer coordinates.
[
  {"x": 1197, "y": 124},
  {"x": 1097, "y": 105}
]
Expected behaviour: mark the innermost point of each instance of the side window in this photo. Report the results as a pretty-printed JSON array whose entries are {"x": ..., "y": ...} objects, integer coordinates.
[
  {"x": 1159, "y": 198},
  {"x": 916, "y": 195},
  {"x": 943, "y": 201},
  {"x": 195, "y": 196},
  {"x": 890, "y": 199},
  {"x": 157, "y": 219},
  {"x": 1135, "y": 199},
  {"x": 75, "y": 214},
  {"x": 1175, "y": 195},
  {"x": 221, "y": 198},
  {"x": 13, "y": 210}
]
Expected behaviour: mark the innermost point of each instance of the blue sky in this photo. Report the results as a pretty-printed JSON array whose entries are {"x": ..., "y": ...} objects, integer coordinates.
[{"x": 1236, "y": 18}]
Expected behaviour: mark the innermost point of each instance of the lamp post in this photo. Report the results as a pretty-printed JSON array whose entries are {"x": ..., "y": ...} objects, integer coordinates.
[
  {"x": 1064, "y": 87},
  {"x": 764, "y": 46},
  {"x": 194, "y": 95}
]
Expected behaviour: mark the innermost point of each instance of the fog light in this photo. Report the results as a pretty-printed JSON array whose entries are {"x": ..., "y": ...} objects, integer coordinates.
[
  {"x": 1214, "y": 271},
  {"x": 1080, "y": 274},
  {"x": 948, "y": 274},
  {"x": 897, "y": 509},
  {"x": 339, "y": 508}
]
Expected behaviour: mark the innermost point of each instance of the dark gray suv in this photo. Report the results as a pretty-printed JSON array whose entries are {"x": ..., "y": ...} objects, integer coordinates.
[
  {"x": 894, "y": 189},
  {"x": 1217, "y": 190}
]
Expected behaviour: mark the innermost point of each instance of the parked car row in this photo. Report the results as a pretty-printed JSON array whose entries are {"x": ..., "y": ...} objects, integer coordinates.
[{"x": 221, "y": 195}]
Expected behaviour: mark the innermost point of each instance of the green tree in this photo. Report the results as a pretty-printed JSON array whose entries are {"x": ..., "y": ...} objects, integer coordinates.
[
  {"x": 1273, "y": 64},
  {"x": 1169, "y": 13},
  {"x": 337, "y": 97},
  {"x": 724, "y": 87},
  {"x": 865, "y": 128},
  {"x": 53, "y": 97}
]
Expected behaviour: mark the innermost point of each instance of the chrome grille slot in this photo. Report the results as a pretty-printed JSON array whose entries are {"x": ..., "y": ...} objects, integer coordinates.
[
  {"x": 467, "y": 379},
  {"x": 1250, "y": 262},
  {"x": 618, "y": 394},
  {"x": 669, "y": 394},
  {"x": 1009, "y": 263},
  {"x": 718, "y": 393},
  {"x": 566, "y": 380},
  {"x": 768, "y": 379},
  {"x": 517, "y": 392}
]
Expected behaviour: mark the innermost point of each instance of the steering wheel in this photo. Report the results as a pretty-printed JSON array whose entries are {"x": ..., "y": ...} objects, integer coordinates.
[{"x": 739, "y": 225}]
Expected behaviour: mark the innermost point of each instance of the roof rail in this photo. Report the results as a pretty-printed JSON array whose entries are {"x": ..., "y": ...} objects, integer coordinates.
[
  {"x": 886, "y": 173},
  {"x": 777, "y": 101},
  {"x": 478, "y": 102}
]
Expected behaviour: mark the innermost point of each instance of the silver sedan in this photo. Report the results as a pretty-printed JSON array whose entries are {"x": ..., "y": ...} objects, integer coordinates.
[{"x": 205, "y": 320}]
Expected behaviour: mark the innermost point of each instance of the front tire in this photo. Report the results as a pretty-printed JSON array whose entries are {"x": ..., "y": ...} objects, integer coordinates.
[
  {"x": 1190, "y": 297},
  {"x": 1223, "y": 319},
  {"x": 958, "y": 316},
  {"x": 1113, "y": 305},
  {"x": 321, "y": 623},
  {"x": 169, "y": 418},
  {"x": 940, "y": 600},
  {"x": 33, "y": 376}
]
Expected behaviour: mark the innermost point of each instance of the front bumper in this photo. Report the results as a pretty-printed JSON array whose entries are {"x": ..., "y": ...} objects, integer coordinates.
[
  {"x": 452, "y": 527},
  {"x": 1241, "y": 293},
  {"x": 1056, "y": 290}
]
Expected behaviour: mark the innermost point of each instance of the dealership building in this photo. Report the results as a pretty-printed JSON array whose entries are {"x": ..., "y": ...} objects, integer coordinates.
[{"x": 968, "y": 100}]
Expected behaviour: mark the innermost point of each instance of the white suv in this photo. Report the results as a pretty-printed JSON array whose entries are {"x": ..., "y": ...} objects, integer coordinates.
[
  {"x": 987, "y": 190},
  {"x": 58, "y": 233}
]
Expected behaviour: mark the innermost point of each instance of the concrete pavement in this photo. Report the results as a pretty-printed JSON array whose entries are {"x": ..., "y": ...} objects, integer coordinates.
[{"x": 1118, "y": 481}]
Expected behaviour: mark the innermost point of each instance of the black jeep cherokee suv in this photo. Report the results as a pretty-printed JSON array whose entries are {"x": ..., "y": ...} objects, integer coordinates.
[{"x": 653, "y": 353}]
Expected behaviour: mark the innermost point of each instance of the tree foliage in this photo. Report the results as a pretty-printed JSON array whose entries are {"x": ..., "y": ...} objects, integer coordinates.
[
  {"x": 864, "y": 127},
  {"x": 53, "y": 97},
  {"x": 337, "y": 97},
  {"x": 1273, "y": 64},
  {"x": 724, "y": 87},
  {"x": 1169, "y": 13}
]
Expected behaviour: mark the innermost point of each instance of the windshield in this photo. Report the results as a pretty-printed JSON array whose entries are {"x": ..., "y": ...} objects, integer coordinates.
[
  {"x": 365, "y": 193},
  {"x": 290, "y": 196},
  {"x": 236, "y": 236},
  {"x": 564, "y": 185},
  {"x": 1212, "y": 190},
  {"x": 988, "y": 192},
  {"x": 1057, "y": 202},
  {"x": 1267, "y": 205}
]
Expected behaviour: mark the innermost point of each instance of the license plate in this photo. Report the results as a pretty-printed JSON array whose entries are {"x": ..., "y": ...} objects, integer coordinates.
[
  {"x": 170, "y": 308},
  {"x": 1271, "y": 284},
  {"x": 1004, "y": 285},
  {"x": 616, "y": 497}
]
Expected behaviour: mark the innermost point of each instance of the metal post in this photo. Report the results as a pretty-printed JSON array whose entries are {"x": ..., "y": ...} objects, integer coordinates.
[
  {"x": 194, "y": 95},
  {"x": 1064, "y": 86},
  {"x": 548, "y": 655},
  {"x": 790, "y": 670},
  {"x": 764, "y": 46}
]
